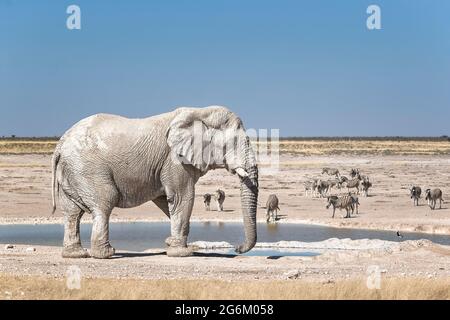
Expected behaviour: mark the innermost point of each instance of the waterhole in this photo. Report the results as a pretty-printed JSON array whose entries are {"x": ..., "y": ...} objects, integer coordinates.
[{"x": 139, "y": 236}]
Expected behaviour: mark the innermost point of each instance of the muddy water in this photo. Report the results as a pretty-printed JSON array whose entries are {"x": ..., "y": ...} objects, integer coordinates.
[{"x": 138, "y": 236}]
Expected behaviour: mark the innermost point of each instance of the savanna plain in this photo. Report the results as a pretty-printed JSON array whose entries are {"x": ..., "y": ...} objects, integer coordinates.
[{"x": 413, "y": 269}]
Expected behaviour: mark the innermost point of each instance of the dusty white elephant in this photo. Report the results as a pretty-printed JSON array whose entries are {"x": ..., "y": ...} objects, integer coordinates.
[{"x": 107, "y": 161}]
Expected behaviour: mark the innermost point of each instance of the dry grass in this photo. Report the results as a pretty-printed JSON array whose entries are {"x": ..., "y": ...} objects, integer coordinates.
[
  {"x": 15, "y": 287},
  {"x": 27, "y": 147},
  {"x": 358, "y": 147},
  {"x": 302, "y": 147}
]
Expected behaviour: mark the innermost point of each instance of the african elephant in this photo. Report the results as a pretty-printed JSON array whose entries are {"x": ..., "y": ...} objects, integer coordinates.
[{"x": 107, "y": 161}]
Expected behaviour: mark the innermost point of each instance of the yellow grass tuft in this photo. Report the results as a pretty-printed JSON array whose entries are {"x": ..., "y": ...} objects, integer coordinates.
[
  {"x": 358, "y": 147},
  {"x": 34, "y": 287},
  {"x": 27, "y": 147}
]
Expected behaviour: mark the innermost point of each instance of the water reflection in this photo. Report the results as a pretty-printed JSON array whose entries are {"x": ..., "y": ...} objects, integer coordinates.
[{"x": 144, "y": 235}]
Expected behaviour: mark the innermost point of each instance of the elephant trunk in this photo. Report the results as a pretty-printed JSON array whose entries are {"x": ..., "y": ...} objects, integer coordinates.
[{"x": 249, "y": 200}]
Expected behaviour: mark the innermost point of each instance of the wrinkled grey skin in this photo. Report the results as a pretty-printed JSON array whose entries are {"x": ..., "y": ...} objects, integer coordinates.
[{"x": 107, "y": 161}]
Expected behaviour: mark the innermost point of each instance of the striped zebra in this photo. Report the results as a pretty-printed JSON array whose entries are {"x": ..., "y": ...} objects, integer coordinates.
[
  {"x": 219, "y": 196},
  {"x": 355, "y": 204},
  {"x": 272, "y": 208},
  {"x": 353, "y": 184},
  {"x": 310, "y": 186},
  {"x": 354, "y": 172},
  {"x": 432, "y": 196},
  {"x": 325, "y": 186},
  {"x": 207, "y": 201},
  {"x": 366, "y": 184},
  {"x": 415, "y": 193},
  {"x": 346, "y": 202},
  {"x": 331, "y": 171}
]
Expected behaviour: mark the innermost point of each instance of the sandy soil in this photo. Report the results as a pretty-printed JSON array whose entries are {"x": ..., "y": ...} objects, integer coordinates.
[
  {"x": 349, "y": 259},
  {"x": 25, "y": 192}
]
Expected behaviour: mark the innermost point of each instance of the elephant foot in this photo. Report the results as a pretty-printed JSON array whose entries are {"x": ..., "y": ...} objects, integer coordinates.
[
  {"x": 103, "y": 252},
  {"x": 176, "y": 242},
  {"x": 75, "y": 252},
  {"x": 176, "y": 251},
  {"x": 170, "y": 240}
]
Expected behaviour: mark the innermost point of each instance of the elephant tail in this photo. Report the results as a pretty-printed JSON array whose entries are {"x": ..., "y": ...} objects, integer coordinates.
[{"x": 55, "y": 161}]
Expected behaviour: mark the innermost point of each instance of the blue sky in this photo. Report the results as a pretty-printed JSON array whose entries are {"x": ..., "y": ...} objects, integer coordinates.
[{"x": 309, "y": 68}]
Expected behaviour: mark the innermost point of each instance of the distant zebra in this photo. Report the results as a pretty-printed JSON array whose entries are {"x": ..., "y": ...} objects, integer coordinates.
[
  {"x": 219, "y": 196},
  {"x": 366, "y": 184},
  {"x": 342, "y": 180},
  {"x": 353, "y": 184},
  {"x": 207, "y": 201},
  {"x": 355, "y": 203},
  {"x": 331, "y": 171},
  {"x": 354, "y": 172},
  {"x": 322, "y": 188},
  {"x": 272, "y": 208},
  {"x": 346, "y": 202},
  {"x": 432, "y": 196},
  {"x": 363, "y": 177},
  {"x": 310, "y": 186},
  {"x": 415, "y": 193}
]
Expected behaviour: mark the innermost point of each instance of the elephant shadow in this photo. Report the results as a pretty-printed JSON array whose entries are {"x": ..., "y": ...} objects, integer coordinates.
[
  {"x": 214, "y": 255},
  {"x": 120, "y": 255}
]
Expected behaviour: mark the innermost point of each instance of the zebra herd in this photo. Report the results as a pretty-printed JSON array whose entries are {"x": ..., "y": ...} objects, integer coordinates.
[
  {"x": 322, "y": 188},
  {"x": 219, "y": 197}
]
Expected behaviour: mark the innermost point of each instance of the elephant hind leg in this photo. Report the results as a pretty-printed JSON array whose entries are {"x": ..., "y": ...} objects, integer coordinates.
[
  {"x": 72, "y": 215},
  {"x": 100, "y": 246}
]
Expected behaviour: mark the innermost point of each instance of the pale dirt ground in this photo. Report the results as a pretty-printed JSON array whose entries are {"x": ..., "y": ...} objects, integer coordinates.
[{"x": 25, "y": 197}]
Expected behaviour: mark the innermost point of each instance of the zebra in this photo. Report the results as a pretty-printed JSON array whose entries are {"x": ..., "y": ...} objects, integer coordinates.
[
  {"x": 207, "y": 201},
  {"x": 354, "y": 183},
  {"x": 329, "y": 184},
  {"x": 324, "y": 186},
  {"x": 363, "y": 177},
  {"x": 432, "y": 196},
  {"x": 331, "y": 171},
  {"x": 366, "y": 184},
  {"x": 272, "y": 208},
  {"x": 342, "y": 180},
  {"x": 354, "y": 172},
  {"x": 355, "y": 203},
  {"x": 219, "y": 196},
  {"x": 346, "y": 202},
  {"x": 310, "y": 186},
  {"x": 415, "y": 193}
]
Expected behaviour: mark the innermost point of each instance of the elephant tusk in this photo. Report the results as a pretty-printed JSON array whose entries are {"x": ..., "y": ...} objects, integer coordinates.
[{"x": 241, "y": 172}]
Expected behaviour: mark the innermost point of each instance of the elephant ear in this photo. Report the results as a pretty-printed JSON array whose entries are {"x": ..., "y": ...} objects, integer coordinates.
[{"x": 196, "y": 140}]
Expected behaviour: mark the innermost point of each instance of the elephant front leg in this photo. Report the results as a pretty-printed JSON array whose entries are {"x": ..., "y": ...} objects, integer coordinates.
[
  {"x": 180, "y": 212},
  {"x": 100, "y": 246}
]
